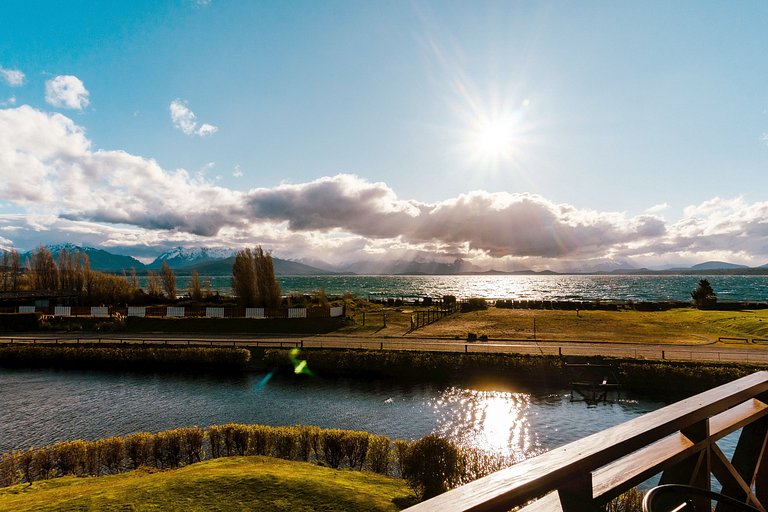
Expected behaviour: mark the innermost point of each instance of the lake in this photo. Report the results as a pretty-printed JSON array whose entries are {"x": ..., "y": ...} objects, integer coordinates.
[
  {"x": 550, "y": 287},
  {"x": 43, "y": 406}
]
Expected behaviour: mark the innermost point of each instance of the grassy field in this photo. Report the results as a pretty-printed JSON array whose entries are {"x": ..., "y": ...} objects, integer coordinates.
[
  {"x": 228, "y": 485},
  {"x": 686, "y": 325}
]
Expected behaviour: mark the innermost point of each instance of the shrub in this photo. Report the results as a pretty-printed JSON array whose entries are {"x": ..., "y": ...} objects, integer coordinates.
[
  {"x": 92, "y": 462},
  {"x": 431, "y": 465},
  {"x": 474, "y": 464},
  {"x": 8, "y": 469},
  {"x": 111, "y": 451},
  {"x": 284, "y": 442},
  {"x": 401, "y": 448},
  {"x": 472, "y": 337},
  {"x": 239, "y": 435},
  {"x": 483, "y": 337},
  {"x": 379, "y": 454},
  {"x": 192, "y": 441},
  {"x": 331, "y": 443},
  {"x": 24, "y": 465},
  {"x": 260, "y": 439},
  {"x": 43, "y": 463},
  {"x": 630, "y": 501},
  {"x": 354, "y": 445},
  {"x": 473, "y": 304},
  {"x": 216, "y": 441},
  {"x": 139, "y": 449},
  {"x": 308, "y": 441}
]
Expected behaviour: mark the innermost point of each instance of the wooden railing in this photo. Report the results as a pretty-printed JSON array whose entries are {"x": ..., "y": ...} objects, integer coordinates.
[{"x": 678, "y": 441}]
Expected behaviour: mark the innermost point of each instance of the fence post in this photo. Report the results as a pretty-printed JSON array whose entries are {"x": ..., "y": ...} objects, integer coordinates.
[
  {"x": 466, "y": 348},
  {"x": 662, "y": 355}
]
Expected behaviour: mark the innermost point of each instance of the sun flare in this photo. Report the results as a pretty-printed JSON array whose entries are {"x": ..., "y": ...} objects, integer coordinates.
[{"x": 493, "y": 140}]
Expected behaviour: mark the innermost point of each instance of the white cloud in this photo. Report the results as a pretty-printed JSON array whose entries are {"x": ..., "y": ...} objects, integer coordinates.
[
  {"x": 66, "y": 91},
  {"x": 9, "y": 102},
  {"x": 49, "y": 170},
  {"x": 185, "y": 120},
  {"x": 237, "y": 173},
  {"x": 12, "y": 77}
]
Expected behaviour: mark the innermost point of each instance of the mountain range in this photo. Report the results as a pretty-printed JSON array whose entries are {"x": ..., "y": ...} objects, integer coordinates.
[
  {"x": 218, "y": 261},
  {"x": 207, "y": 261}
]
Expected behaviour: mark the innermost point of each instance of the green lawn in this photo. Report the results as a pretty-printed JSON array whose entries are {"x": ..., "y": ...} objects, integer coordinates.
[
  {"x": 227, "y": 485},
  {"x": 675, "y": 325}
]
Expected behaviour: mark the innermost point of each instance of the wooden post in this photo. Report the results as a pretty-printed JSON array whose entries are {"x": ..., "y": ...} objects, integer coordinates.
[{"x": 576, "y": 495}]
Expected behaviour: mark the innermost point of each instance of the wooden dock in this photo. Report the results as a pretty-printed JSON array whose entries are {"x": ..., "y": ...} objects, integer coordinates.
[{"x": 591, "y": 382}]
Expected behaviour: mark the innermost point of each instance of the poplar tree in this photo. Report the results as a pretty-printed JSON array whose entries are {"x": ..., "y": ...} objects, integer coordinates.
[
  {"x": 195, "y": 292},
  {"x": 169, "y": 280},
  {"x": 253, "y": 279},
  {"x": 46, "y": 274}
]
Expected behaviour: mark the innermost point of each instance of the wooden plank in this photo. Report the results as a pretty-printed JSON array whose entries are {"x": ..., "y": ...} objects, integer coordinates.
[
  {"x": 735, "y": 418},
  {"x": 548, "y": 503},
  {"x": 638, "y": 466},
  {"x": 538, "y": 475}
]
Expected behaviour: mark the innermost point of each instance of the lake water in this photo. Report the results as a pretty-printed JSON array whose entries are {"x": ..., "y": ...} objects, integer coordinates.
[
  {"x": 557, "y": 287},
  {"x": 43, "y": 406}
]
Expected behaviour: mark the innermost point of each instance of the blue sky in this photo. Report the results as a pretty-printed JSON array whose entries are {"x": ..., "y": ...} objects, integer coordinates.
[{"x": 511, "y": 134}]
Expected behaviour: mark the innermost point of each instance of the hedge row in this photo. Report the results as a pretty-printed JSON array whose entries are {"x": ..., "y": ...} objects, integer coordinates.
[
  {"x": 636, "y": 375},
  {"x": 416, "y": 461},
  {"x": 422, "y": 365},
  {"x": 132, "y": 356}
]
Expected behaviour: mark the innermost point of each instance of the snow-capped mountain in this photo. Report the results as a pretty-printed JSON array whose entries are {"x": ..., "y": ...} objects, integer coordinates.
[{"x": 182, "y": 257}]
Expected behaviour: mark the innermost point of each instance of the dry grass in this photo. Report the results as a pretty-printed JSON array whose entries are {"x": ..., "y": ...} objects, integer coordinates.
[{"x": 686, "y": 325}]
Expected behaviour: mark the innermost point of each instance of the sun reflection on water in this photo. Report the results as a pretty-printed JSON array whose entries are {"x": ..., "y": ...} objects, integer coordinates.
[{"x": 493, "y": 421}]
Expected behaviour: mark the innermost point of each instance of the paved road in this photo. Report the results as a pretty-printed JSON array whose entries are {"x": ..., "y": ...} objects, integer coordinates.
[{"x": 689, "y": 352}]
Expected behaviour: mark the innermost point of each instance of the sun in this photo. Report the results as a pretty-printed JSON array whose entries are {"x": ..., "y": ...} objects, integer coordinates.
[{"x": 493, "y": 141}]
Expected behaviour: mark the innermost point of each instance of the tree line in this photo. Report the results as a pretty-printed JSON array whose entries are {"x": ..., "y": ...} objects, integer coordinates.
[{"x": 70, "y": 273}]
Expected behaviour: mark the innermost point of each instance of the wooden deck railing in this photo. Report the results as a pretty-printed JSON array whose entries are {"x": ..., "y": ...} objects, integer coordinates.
[{"x": 677, "y": 441}]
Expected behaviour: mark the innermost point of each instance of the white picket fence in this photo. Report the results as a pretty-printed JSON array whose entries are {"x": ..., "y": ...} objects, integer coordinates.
[{"x": 176, "y": 311}]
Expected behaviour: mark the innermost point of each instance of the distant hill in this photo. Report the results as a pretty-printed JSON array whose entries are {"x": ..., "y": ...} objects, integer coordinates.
[
  {"x": 100, "y": 260},
  {"x": 411, "y": 267},
  {"x": 717, "y": 265}
]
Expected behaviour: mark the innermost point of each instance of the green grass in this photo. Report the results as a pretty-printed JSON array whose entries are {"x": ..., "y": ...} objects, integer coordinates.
[
  {"x": 675, "y": 325},
  {"x": 227, "y": 485}
]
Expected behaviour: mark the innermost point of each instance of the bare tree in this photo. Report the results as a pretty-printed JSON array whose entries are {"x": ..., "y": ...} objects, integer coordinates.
[
  {"x": 134, "y": 279},
  {"x": 6, "y": 270},
  {"x": 169, "y": 280},
  {"x": 195, "y": 292},
  {"x": 15, "y": 270},
  {"x": 154, "y": 285},
  {"x": 45, "y": 272}
]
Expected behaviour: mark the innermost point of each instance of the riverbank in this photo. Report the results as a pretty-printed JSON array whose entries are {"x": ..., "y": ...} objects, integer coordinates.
[
  {"x": 125, "y": 357},
  {"x": 635, "y": 375}
]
